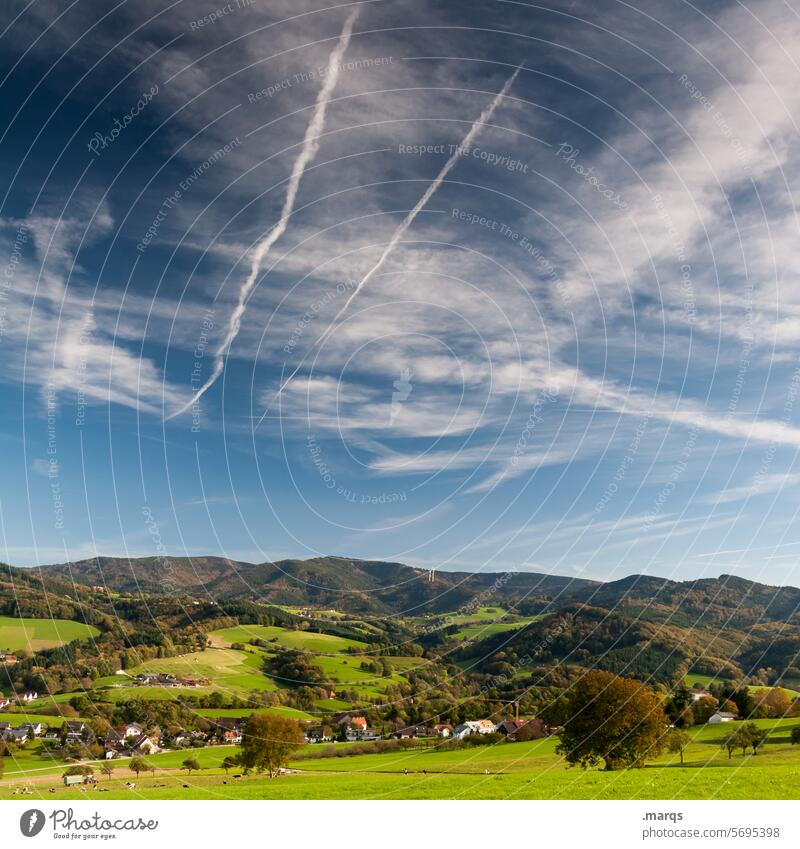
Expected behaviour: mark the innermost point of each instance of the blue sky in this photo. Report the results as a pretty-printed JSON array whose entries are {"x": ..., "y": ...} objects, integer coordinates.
[{"x": 580, "y": 357}]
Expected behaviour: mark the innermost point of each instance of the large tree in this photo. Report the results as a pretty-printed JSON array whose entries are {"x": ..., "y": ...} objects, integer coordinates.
[
  {"x": 269, "y": 741},
  {"x": 613, "y": 719}
]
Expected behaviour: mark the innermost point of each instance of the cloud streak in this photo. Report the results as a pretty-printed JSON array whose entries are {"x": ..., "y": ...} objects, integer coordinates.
[
  {"x": 398, "y": 234},
  {"x": 262, "y": 249}
]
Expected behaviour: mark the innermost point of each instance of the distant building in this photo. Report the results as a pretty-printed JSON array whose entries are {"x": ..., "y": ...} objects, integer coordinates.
[
  {"x": 721, "y": 716},
  {"x": 474, "y": 726},
  {"x": 700, "y": 693}
]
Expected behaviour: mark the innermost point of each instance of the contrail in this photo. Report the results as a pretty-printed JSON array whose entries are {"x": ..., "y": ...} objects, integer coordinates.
[
  {"x": 306, "y": 155},
  {"x": 398, "y": 234}
]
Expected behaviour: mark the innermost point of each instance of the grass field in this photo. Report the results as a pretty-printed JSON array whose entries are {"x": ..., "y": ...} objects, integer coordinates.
[
  {"x": 35, "y": 634},
  {"x": 514, "y": 771},
  {"x": 322, "y": 643},
  {"x": 230, "y": 670}
]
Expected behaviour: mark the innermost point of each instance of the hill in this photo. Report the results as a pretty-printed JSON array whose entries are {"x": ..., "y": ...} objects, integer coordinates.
[{"x": 357, "y": 586}]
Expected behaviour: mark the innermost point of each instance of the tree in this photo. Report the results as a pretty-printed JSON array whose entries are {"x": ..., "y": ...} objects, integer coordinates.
[
  {"x": 677, "y": 741},
  {"x": 138, "y": 765},
  {"x": 269, "y": 741},
  {"x": 756, "y": 736},
  {"x": 189, "y": 764},
  {"x": 107, "y": 768},
  {"x": 613, "y": 719},
  {"x": 730, "y": 741},
  {"x": 795, "y": 734},
  {"x": 229, "y": 763},
  {"x": 776, "y": 702}
]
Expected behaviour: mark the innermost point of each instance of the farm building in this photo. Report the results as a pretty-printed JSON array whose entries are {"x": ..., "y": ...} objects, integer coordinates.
[{"x": 721, "y": 716}]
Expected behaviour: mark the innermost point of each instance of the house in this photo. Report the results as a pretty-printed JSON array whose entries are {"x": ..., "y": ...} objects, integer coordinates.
[
  {"x": 143, "y": 745},
  {"x": 229, "y": 730},
  {"x": 35, "y": 729},
  {"x": 528, "y": 729},
  {"x": 443, "y": 729},
  {"x": 700, "y": 693},
  {"x": 132, "y": 729},
  {"x": 474, "y": 726},
  {"x": 7, "y": 659},
  {"x": 721, "y": 716},
  {"x": 181, "y": 738},
  {"x": 354, "y": 734},
  {"x": 317, "y": 735},
  {"x": 4, "y": 703},
  {"x": 25, "y": 698},
  {"x": 358, "y": 722},
  {"x": 51, "y": 734},
  {"x": 73, "y": 732},
  {"x": 411, "y": 731},
  {"x": 17, "y": 735}
]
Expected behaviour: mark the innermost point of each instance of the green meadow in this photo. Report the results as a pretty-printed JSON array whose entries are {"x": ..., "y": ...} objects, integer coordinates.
[
  {"x": 502, "y": 771},
  {"x": 310, "y": 640},
  {"x": 35, "y": 634}
]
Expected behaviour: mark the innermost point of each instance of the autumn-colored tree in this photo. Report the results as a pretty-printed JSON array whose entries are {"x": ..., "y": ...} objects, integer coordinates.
[
  {"x": 138, "y": 765},
  {"x": 704, "y": 708},
  {"x": 613, "y": 719},
  {"x": 776, "y": 702},
  {"x": 189, "y": 764},
  {"x": 677, "y": 741},
  {"x": 269, "y": 741}
]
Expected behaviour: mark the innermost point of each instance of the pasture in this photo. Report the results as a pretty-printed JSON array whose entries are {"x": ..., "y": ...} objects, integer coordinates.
[
  {"x": 285, "y": 637},
  {"x": 35, "y": 634},
  {"x": 502, "y": 771}
]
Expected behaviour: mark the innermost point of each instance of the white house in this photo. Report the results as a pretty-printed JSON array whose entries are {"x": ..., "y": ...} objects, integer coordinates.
[
  {"x": 474, "y": 726},
  {"x": 721, "y": 716},
  {"x": 700, "y": 693}
]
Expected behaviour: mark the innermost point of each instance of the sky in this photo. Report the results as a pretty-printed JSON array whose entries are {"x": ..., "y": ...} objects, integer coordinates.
[{"x": 482, "y": 286}]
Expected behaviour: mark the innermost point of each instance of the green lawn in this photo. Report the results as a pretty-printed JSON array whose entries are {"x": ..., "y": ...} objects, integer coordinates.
[
  {"x": 35, "y": 634},
  {"x": 310, "y": 640}
]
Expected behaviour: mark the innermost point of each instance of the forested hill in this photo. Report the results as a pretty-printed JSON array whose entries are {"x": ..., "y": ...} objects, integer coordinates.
[
  {"x": 367, "y": 586},
  {"x": 358, "y": 586}
]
